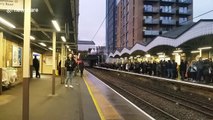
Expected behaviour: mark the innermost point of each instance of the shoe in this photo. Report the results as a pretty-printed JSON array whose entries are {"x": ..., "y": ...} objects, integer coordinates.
[
  {"x": 70, "y": 86},
  {"x": 66, "y": 85}
]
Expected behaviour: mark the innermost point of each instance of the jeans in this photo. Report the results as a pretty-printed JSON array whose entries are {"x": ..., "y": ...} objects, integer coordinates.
[
  {"x": 170, "y": 73},
  {"x": 70, "y": 75},
  {"x": 182, "y": 75}
]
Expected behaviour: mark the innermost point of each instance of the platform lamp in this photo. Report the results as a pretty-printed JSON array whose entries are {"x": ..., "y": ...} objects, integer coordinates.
[
  {"x": 56, "y": 25},
  {"x": 7, "y": 23},
  {"x": 203, "y": 48}
]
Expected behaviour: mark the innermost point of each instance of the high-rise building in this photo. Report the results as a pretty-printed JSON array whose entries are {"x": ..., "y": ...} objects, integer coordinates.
[
  {"x": 111, "y": 25},
  {"x": 140, "y": 21}
]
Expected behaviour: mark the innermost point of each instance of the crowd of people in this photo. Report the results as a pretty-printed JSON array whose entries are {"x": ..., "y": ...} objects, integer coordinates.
[{"x": 196, "y": 71}]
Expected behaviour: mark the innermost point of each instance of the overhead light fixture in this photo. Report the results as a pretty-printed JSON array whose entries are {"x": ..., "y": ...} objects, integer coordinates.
[
  {"x": 177, "y": 51},
  {"x": 5, "y": 22},
  {"x": 63, "y": 38},
  {"x": 56, "y": 25},
  {"x": 195, "y": 51},
  {"x": 70, "y": 50},
  {"x": 204, "y": 48},
  {"x": 43, "y": 44},
  {"x": 160, "y": 53},
  {"x": 162, "y": 56},
  {"x": 32, "y": 38},
  {"x": 148, "y": 55},
  {"x": 138, "y": 56},
  {"x": 50, "y": 48},
  {"x": 68, "y": 46}
]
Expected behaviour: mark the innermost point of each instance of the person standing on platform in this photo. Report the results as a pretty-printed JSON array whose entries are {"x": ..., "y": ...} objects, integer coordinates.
[
  {"x": 36, "y": 66},
  {"x": 183, "y": 67},
  {"x": 199, "y": 66},
  {"x": 70, "y": 64},
  {"x": 81, "y": 67},
  {"x": 59, "y": 68}
]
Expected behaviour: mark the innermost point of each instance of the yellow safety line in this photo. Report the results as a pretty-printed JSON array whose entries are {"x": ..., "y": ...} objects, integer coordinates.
[{"x": 94, "y": 100}]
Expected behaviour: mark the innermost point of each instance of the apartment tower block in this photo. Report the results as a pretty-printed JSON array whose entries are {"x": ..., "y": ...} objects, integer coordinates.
[{"x": 140, "y": 21}]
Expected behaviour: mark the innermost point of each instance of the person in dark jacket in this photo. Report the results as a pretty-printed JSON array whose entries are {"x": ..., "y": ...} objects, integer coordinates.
[
  {"x": 59, "y": 68},
  {"x": 70, "y": 65},
  {"x": 200, "y": 66},
  {"x": 36, "y": 66},
  {"x": 183, "y": 67},
  {"x": 81, "y": 67}
]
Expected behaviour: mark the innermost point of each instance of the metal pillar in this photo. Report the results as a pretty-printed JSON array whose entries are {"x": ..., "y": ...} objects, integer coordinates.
[
  {"x": 0, "y": 81},
  {"x": 62, "y": 64},
  {"x": 26, "y": 58},
  {"x": 200, "y": 52},
  {"x": 54, "y": 63},
  {"x": 1, "y": 60},
  {"x": 1, "y": 49}
]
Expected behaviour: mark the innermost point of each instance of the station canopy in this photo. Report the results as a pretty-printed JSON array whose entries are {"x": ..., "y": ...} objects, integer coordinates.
[
  {"x": 65, "y": 12},
  {"x": 187, "y": 38}
]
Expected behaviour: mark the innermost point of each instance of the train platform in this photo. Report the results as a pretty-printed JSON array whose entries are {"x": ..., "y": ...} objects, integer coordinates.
[
  {"x": 67, "y": 104},
  {"x": 89, "y": 99}
]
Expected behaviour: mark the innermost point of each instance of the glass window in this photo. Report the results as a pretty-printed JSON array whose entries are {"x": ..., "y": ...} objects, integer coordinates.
[
  {"x": 148, "y": 7},
  {"x": 183, "y": 9},
  {"x": 166, "y": 8}
]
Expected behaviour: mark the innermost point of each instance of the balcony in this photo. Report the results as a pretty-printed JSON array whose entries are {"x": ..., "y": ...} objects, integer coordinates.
[
  {"x": 168, "y": 22},
  {"x": 185, "y": 1},
  {"x": 172, "y": 11},
  {"x": 151, "y": 21},
  {"x": 151, "y": 0},
  {"x": 184, "y": 22},
  {"x": 164, "y": 31},
  {"x": 168, "y": 1},
  {"x": 151, "y": 10},
  {"x": 188, "y": 12},
  {"x": 151, "y": 32}
]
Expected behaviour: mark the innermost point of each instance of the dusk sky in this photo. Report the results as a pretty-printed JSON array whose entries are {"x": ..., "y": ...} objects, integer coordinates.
[{"x": 92, "y": 13}]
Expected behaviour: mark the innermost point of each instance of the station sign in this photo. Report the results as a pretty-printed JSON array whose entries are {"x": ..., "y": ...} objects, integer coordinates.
[{"x": 11, "y": 4}]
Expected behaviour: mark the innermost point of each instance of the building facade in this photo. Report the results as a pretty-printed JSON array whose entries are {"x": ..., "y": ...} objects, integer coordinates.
[
  {"x": 140, "y": 21},
  {"x": 111, "y": 25}
]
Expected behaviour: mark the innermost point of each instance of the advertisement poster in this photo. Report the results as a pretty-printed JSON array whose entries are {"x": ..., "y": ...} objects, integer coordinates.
[
  {"x": 17, "y": 56},
  {"x": 49, "y": 60}
]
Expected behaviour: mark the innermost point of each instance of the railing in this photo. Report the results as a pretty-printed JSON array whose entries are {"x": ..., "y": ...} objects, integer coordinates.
[
  {"x": 164, "y": 31},
  {"x": 168, "y": 22},
  {"x": 173, "y": 1},
  {"x": 152, "y": 0},
  {"x": 154, "y": 9},
  {"x": 188, "y": 12},
  {"x": 168, "y": 11},
  {"x": 151, "y": 21},
  {"x": 185, "y": 1},
  {"x": 151, "y": 32},
  {"x": 183, "y": 22}
]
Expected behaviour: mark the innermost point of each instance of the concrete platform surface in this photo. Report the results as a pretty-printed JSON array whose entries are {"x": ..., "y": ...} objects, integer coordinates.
[{"x": 68, "y": 103}]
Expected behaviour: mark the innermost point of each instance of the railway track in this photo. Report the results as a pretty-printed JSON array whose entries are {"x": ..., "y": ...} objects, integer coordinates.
[{"x": 136, "y": 93}]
